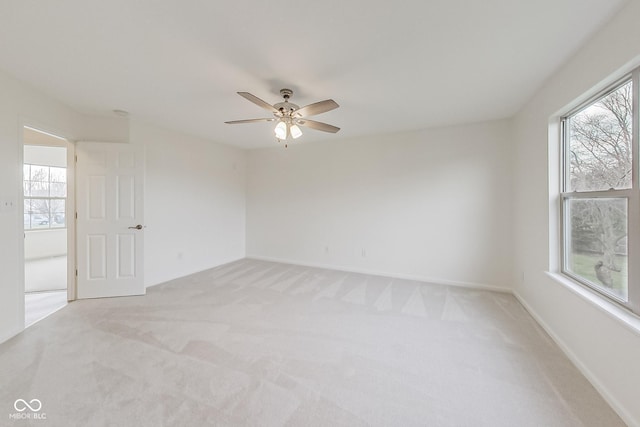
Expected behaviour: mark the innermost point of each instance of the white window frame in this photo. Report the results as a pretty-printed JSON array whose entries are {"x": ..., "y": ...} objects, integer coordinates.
[{"x": 631, "y": 195}]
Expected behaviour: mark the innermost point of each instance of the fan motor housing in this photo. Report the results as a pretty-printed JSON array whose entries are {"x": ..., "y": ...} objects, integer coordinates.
[{"x": 286, "y": 107}]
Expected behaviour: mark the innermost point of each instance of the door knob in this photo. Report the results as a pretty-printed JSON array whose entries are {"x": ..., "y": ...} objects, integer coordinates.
[{"x": 137, "y": 227}]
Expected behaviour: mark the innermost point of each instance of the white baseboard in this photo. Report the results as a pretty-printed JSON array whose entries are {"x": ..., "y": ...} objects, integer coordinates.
[
  {"x": 593, "y": 379},
  {"x": 472, "y": 285}
]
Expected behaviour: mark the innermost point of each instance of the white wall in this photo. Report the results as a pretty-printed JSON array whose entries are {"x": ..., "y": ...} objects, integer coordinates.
[
  {"x": 432, "y": 205},
  {"x": 194, "y": 203},
  {"x": 606, "y": 349},
  {"x": 45, "y": 243}
]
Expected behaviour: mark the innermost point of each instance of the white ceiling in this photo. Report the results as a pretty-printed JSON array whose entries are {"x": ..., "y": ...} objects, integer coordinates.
[{"x": 392, "y": 66}]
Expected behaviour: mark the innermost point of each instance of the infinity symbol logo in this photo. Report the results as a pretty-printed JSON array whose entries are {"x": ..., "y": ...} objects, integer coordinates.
[{"x": 21, "y": 405}]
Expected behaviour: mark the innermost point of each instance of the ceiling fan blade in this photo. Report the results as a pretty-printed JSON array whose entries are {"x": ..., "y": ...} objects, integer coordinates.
[
  {"x": 235, "y": 122},
  {"x": 259, "y": 102},
  {"x": 317, "y": 108},
  {"x": 317, "y": 125}
]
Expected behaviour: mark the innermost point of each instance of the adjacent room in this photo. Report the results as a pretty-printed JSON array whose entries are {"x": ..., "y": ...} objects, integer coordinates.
[
  {"x": 320, "y": 214},
  {"x": 45, "y": 224}
]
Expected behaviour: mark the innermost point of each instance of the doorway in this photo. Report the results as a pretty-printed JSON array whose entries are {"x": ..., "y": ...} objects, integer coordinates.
[{"x": 48, "y": 224}]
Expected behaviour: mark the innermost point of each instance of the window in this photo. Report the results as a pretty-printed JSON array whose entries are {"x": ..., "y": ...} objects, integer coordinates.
[
  {"x": 600, "y": 203},
  {"x": 45, "y": 192}
]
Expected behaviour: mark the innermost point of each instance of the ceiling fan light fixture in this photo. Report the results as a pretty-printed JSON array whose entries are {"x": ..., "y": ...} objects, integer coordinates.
[
  {"x": 281, "y": 130},
  {"x": 295, "y": 131},
  {"x": 290, "y": 117}
]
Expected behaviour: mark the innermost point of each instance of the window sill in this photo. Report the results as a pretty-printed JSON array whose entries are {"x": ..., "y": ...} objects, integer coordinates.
[{"x": 622, "y": 315}]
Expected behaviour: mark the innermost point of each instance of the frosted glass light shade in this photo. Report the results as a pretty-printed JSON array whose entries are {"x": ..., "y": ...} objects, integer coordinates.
[
  {"x": 281, "y": 130},
  {"x": 295, "y": 131}
]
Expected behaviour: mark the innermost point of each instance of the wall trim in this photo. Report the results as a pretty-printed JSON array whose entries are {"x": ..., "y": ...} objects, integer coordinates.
[
  {"x": 577, "y": 362},
  {"x": 472, "y": 285}
]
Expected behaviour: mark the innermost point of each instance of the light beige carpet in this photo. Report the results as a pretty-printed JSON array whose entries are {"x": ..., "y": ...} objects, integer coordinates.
[
  {"x": 38, "y": 305},
  {"x": 266, "y": 344}
]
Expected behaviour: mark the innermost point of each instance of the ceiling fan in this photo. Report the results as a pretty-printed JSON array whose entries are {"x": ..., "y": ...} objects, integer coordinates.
[{"x": 290, "y": 116}]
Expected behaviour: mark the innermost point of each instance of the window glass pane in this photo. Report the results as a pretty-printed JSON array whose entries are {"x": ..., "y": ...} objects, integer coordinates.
[
  {"x": 58, "y": 174},
  {"x": 597, "y": 238},
  {"x": 26, "y": 172},
  {"x": 27, "y": 216},
  {"x": 39, "y": 221},
  {"x": 57, "y": 206},
  {"x": 599, "y": 143},
  {"x": 58, "y": 220},
  {"x": 58, "y": 189},
  {"x": 39, "y": 188},
  {"x": 27, "y": 188},
  {"x": 40, "y": 206},
  {"x": 39, "y": 173}
]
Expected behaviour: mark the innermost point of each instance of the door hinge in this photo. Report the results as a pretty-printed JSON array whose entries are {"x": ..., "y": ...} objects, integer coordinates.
[
  {"x": 76, "y": 156},
  {"x": 76, "y": 215},
  {"x": 76, "y": 272}
]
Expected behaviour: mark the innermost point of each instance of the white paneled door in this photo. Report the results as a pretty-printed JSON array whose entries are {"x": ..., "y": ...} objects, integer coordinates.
[{"x": 110, "y": 227}]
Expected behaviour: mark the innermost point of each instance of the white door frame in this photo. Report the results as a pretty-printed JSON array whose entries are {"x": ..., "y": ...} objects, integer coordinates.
[{"x": 57, "y": 141}]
